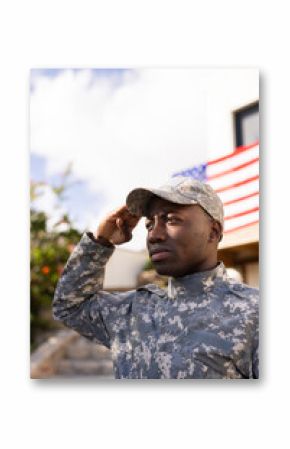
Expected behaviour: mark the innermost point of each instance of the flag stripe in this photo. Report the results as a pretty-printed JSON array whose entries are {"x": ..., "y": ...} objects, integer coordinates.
[
  {"x": 239, "y": 221},
  {"x": 230, "y": 155},
  {"x": 237, "y": 184},
  {"x": 243, "y": 206},
  {"x": 240, "y": 214},
  {"x": 235, "y": 176},
  {"x": 238, "y": 192},
  {"x": 230, "y": 170},
  {"x": 242, "y": 226},
  {"x": 237, "y": 159},
  {"x": 235, "y": 200}
]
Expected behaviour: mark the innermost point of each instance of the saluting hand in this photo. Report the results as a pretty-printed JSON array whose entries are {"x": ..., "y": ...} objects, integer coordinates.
[{"x": 117, "y": 227}]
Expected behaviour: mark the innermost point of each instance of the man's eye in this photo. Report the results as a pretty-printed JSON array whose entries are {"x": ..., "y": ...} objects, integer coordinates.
[
  {"x": 172, "y": 219},
  {"x": 148, "y": 225}
]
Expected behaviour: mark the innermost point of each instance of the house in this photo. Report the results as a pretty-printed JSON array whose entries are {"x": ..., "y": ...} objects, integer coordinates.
[{"x": 232, "y": 165}]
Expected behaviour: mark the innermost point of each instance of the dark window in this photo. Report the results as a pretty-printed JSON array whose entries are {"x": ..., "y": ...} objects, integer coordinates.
[{"x": 247, "y": 125}]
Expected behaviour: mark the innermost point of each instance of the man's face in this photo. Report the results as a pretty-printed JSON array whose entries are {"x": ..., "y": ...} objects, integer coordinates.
[{"x": 179, "y": 238}]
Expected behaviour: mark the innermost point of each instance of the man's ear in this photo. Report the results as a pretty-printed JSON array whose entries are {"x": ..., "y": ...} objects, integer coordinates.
[{"x": 215, "y": 232}]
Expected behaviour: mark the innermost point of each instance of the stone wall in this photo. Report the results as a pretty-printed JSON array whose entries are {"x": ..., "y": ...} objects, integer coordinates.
[{"x": 67, "y": 354}]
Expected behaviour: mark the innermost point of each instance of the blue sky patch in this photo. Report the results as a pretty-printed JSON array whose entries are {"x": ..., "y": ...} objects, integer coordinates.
[
  {"x": 77, "y": 199},
  {"x": 114, "y": 75}
]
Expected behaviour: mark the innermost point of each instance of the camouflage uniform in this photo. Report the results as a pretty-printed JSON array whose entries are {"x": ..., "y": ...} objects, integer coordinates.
[{"x": 203, "y": 326}]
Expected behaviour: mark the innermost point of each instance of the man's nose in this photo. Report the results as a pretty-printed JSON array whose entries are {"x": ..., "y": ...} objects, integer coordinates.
[{"x": 157, "y": 233}]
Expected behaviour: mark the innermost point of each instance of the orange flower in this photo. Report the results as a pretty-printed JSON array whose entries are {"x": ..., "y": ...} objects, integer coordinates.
[{"x": 45, "y": 269}]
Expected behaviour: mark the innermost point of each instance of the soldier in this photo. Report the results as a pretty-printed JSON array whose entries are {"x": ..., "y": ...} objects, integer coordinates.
[{"x": 204, "y": 325}]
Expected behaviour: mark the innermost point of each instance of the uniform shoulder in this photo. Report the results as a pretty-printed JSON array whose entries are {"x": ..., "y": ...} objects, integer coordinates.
[{"x": 243, "y": 290}]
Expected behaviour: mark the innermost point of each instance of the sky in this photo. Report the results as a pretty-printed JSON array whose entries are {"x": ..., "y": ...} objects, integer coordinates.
[{"x": 118, "y": 129}]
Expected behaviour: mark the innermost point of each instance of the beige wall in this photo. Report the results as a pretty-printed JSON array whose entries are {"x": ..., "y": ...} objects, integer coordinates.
[
  {"x": 251, "y": 271},
  {"x": 123, "y": 268},
  {"x": 247, "y": 273}
]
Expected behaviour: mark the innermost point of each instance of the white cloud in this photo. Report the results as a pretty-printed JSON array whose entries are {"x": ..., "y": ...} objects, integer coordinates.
[
  {"x": 47, "y": 202},
  {"x": 120, "y": 137}
]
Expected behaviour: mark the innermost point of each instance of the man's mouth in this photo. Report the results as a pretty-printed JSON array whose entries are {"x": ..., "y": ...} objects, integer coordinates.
[{"x": 159, "y": 254}]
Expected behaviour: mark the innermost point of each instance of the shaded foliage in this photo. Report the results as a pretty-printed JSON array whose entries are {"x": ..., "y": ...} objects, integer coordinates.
[
  {"x": 148, "y": 265},
  {"x": 49, "y": 253}
]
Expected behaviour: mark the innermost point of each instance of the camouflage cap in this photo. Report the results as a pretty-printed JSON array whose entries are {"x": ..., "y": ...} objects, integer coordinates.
[{"x": 180, "y": 190}]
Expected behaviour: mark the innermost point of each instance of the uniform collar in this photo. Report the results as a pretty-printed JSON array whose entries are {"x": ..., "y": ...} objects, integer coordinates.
[{"x": 196, "y": 283}]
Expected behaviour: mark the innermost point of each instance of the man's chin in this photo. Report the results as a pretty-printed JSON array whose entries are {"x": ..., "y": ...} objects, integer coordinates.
[
  {"x": 164, "y": 269},
  {"x": 168, "y": 269}
]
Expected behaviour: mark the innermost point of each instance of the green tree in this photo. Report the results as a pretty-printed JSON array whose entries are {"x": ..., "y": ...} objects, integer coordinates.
[{"x": 49, "y": 253}]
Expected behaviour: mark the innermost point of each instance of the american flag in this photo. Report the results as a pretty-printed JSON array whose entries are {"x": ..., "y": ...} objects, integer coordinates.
[{"x": 235, "y": 178}]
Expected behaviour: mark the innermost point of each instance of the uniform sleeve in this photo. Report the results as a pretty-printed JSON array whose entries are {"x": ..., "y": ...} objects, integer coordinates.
[
  {"x": 255, "y": 356},
  {"x": 79, "y": 301}
]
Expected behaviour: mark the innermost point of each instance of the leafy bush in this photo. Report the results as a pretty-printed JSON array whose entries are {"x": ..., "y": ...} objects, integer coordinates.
[
  {"x": 49, "y": 253},
  {"x": 148, "y": 265}
]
